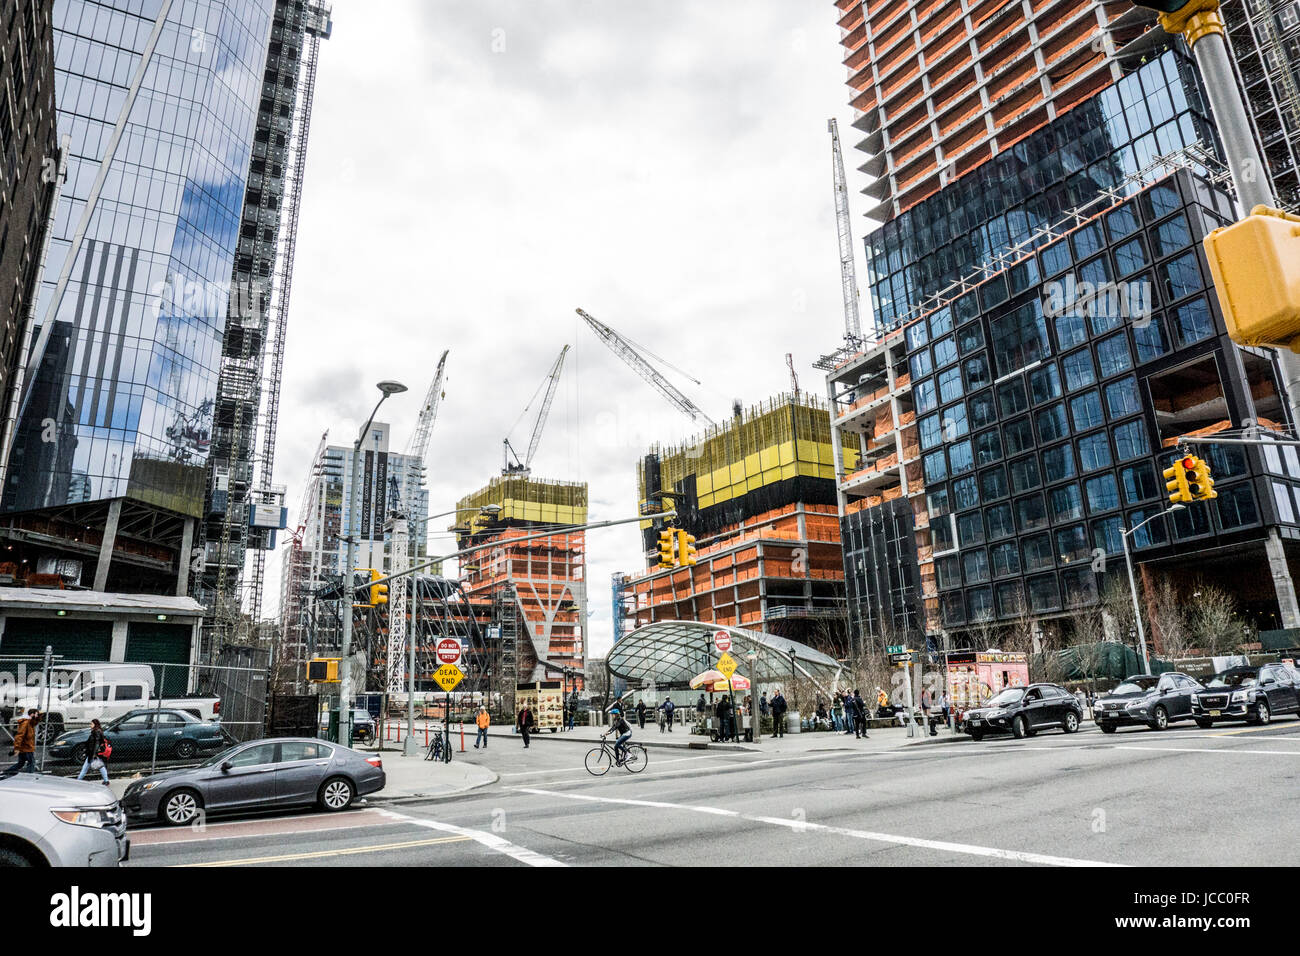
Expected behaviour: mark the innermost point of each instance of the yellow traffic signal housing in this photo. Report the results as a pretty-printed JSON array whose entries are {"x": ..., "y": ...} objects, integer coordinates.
[
  {"x": 1176, "y": 477},
  {"x": 1256, "y": 269},
  {"x": 1199, "y": 481},
  {"x": 685, "y": 549},
  {"x": 666, "y": 549},
  {"x": 361, "y": 579},
  {"x": 378, "y": 592},
  {"x": 323, "y": 670}
]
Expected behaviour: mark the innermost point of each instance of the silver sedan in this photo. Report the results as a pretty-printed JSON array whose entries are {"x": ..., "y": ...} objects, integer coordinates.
[{"x": 259, "y": 775}]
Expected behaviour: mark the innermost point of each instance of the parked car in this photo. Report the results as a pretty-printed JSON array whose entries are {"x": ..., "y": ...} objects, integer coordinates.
[
  {"x": 1023, "y": 711},
  {"x": 260, "y": 775},
  {"x": 54, "y": 821},
  {"x": 1151, "y": 700},
  {"x": 363, "y": 725},
  {"x": 179, "y": 733},
  {"x": 1253, "y": 694}
]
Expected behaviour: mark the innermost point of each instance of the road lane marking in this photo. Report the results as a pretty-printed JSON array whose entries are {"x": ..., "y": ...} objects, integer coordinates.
[
  {"x": 243, "y": 829},
  {"x": 530, "y": 773},
  {"x": 286, "y": 857},
  {"x": 489, "y": 840},
  {"x": 800, "y": 826},
  {"x": 1215, "y": 750}
]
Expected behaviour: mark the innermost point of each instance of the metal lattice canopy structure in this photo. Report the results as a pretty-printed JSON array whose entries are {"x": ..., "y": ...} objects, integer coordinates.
[{"x": 670, "y": 653}]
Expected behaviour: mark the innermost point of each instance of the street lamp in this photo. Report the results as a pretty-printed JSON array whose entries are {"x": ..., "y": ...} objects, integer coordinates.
[
  {"x": 386, "y": 388},
  {"x": 1132, "y": 585},
  {"x": 793, "y": 678}
]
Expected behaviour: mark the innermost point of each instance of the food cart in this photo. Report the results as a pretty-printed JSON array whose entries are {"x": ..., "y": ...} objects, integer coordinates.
[{"x": 545, "y": 699}]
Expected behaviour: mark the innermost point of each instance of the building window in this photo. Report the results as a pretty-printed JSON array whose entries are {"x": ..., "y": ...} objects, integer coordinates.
[
  {"x": 925, "y": 396},
  {"x": 981, "y": 603},
  {"x": 982, "y": 410},
  {"x": 941, "y": 323},
  {"x": 948, "y": 571},
  {"x": 988, "y": 447},
  {"x": 999, "y": 521},
  {"x": 1043, "y": 594},
  {"x": 1067, "y": 504},
  {"x": 1019, "y": 338},
  {"x": 945, "y": 352},
  {"x": 1114, "y": 356},
  {"x": 1055, "y": 258},
  {"x": 936, "y": 467},
  {"x": 1237, "y": 506},
  {"x": 1058, "y": 463},
  {"x": 1150, "y": 339},
  {"x": 1226, "y": 461},
  {"x": 1005, "y": 559},
  {"x": 1079, "y": 370},
  {"x": 970, "y": 337},
  {"x": 936, "y": 502},
  {"x": 1150, "y": 534},
  {"x": 931, "y": 432},
  {"x": 1011, "y": 397},
  {"x": 1070, "y": 330},
  {"x": 1122, "y": 222},
  {"x": 1052, "y": 424},
  {"x": 1106, "y": 535},
  {"x": 1022, "y": 276},
  {"x": 960, "y": 458},
  {"x": 1181, "y": 277},
  {"x": 918, "y": 334},
  {"x": 1025, "y": 475},
  {"x": 1282, "y": 498},
  {"x": 1080, "y": 586},
  {"x": 1121, "y": 399},
  {"x": 1131, "y": 440},
  {"x": 1131, "y": 256},
  {"x": 1009, "y": 598},
  {"x": 977, "y": 373},
  {"x": 1094, "y": 451},
  {"x": 954, "y": 610},
  {"x": 1160, "y": 201},
  {"x": 993, "y": 483},
  {"x": 1086, "y": 240},
  {"x": 1072, "y": 544},
  {"x": 1103, "y": 494},
  {"x": 1139, "y": 483},
  {"x": 950, "y": 385},
  {"x": 1031, "y": 513},
  {"x": 1086, "y": 411},
  {"x": 965, "y": 494},
  {"x": 1192, "y": 322},
  {"x": 1045, "y": 383},
  {"x": 920, "y": 364},
  {"x": 954, "y": 422},
  {"x": 1172, "y": 235},
  {"x": 975, "y": 565},
  {"x": 1036, "y": 552},
  {"x": 1192, "y": 521}
]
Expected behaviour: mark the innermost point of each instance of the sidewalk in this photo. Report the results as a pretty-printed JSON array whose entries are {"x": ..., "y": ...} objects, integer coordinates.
[{"x": 887, "y": 738}]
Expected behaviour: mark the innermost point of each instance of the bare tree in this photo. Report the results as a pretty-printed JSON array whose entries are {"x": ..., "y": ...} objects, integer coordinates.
[
  {"x": 1213, "y": 621},
  {"x": 1088, "y": 642},
  {"x": 1168, "y": 620}
]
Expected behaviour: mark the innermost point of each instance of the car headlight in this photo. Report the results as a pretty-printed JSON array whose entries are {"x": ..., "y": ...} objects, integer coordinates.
[
  {"x": 1240, "y": 696},
  {"x": 149, "y": 785},
  {"x": 98, "y": 817},
  {"x": 997, "y": 713}
]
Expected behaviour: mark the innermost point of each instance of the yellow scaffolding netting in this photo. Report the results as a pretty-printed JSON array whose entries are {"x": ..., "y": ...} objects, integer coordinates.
[{"x": 523, "y": 498}]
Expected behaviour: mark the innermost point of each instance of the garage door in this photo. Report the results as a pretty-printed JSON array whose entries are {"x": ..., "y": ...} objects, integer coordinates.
[
  {"x": 74, "y": 640},
  {"x": 158, "y": 644}
]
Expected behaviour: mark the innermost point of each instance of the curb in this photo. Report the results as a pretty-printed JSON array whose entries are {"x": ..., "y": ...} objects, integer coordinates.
[{"x": 426, "y": 797}]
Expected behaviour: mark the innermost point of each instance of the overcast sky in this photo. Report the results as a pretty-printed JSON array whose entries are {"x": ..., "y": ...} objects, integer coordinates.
[{"x": 477, "y": 169}]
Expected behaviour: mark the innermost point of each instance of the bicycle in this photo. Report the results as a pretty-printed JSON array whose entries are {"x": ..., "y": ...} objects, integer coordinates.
[
  {"x": 601, "y": 758},
  {"x": 438, "y": 750}
]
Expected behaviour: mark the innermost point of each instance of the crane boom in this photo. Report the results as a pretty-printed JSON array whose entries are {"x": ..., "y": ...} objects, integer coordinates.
[
  {"x": 629, "y": 354},
  {"x": 419, "y": 443},
  {"x": 545, "y": 410},
  {"x": 848, "y": 275}
]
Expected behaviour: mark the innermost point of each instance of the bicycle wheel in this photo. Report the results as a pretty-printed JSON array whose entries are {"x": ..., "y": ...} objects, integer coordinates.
[
  {"x": 636, "y": 758},
  {"x": 598, "y": 762}
]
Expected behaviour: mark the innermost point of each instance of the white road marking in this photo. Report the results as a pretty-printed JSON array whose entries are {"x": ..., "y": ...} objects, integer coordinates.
[
  {"x": 803, "y": 825},
  {"x": 489, "y": 840},
  {"x": 1215, "y": 750},
  {"x": 530, "y": 773}
]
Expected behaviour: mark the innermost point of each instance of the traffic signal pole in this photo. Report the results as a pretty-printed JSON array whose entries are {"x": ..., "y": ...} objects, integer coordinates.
[{"x": 1201, "y": 24}]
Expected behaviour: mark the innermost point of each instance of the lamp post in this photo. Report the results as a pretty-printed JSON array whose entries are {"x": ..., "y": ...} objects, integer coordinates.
[
  {"x": 409, "y": 746},
  {"x": 1132, "y": 585},
  {"x": 754, "y": 716},
  {"x": 793, "y": 678},
  {"x": 386, "y": 388}
]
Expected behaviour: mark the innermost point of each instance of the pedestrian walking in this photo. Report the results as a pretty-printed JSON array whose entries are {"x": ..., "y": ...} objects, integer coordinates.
[
  {"x": 860, "y": 715},
  {"x": 525, "y": 723},
  {"x": 701, "y": 706},
  {"x": 778, "y": 714},
  {"x": 573, "y": 709},
  {"x": 640, "y": 713},
  {"x": 98, "y": 750},
  {"x": 925, "y": 711},
  {"x": 668, "y": 706},
  {"x": 946, "y": 703},
  {"x": 762, "y": 704},
  {"x": 25, "y": 742},
  {"x": 483, "y": 721}
]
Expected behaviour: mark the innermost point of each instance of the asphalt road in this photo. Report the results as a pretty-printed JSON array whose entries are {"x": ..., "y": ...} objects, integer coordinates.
[{"x": 1185, "y": 796}]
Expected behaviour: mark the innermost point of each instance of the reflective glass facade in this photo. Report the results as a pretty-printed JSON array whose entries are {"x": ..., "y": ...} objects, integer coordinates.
[
  {"x": 1151, "y": 112},
  {"x": 121, "y": 403}
]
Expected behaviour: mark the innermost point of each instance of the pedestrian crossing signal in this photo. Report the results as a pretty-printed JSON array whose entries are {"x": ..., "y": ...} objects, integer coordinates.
[
  {"x": 666, "y": 549},
  {"x": 323, "y": 670}
]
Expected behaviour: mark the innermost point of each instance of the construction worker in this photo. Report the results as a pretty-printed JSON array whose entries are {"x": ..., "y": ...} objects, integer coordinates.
[{"x": 483, "y": 721}]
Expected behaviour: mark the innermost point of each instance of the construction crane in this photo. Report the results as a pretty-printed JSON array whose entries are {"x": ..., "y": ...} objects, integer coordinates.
[
  {"x": 629, "y": 353},
  {"x": 794, "y": 379},
  {"x": 848, "y": 275},
  {"x": 521, "y": 466},
  {"x": 303, "y": 575}
]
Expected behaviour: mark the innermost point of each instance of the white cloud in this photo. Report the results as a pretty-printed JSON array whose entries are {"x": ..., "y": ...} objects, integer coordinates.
[{"x": 664, "y": 166}]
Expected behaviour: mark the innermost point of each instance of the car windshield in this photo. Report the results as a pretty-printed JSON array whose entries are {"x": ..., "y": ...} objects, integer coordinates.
[
  {"x": 1135, "y": 686},
  {"x": 1234, "y": 679},
  {"x": 1009, "y": 696}
]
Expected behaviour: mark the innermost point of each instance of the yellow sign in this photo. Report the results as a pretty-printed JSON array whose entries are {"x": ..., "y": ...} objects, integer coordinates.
[
  {"x": 727, "y": 664},
  {"x": 448, "y": 676}
]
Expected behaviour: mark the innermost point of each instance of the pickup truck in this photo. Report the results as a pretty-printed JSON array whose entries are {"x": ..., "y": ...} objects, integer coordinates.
[{"x": 107, "y": 700}]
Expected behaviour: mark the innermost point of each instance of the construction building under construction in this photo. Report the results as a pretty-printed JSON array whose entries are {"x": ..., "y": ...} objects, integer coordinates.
[
  {"x": 758, "y": 494},
  {"x": 533, "y": 592}
]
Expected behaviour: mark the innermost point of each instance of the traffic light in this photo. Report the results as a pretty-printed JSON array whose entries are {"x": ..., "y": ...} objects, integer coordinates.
[
  {"x": 1199, "y": 481},
  {"x": 685, "y": 549},
  {"x": 1256, "y": 268},
  {"x": 1176, "y": 477},
  {"x": 361, "y": 579},
  {"x": 378, "y": 592},
  {"x": 666, "y": 549},
  {"x": 323, "y": 670}
]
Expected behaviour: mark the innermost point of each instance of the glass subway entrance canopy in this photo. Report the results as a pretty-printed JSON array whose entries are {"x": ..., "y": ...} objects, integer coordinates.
[{"x": 670, "y": 653}]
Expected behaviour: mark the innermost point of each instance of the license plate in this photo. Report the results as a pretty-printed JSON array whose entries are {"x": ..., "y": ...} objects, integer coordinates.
[
  {"x": 1215, "y": 713},
  {"x": 974, "y": 721}
]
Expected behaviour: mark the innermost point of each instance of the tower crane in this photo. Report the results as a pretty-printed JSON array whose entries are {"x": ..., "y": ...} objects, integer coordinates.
[
  {"x": 629, "y": 353},
  {"x": 522, "y": 466},
  {"x": 848, "y": 275}
]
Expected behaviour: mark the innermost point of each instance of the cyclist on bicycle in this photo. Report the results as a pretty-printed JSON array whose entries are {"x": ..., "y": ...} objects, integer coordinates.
[{"x": 618, "y": 725}]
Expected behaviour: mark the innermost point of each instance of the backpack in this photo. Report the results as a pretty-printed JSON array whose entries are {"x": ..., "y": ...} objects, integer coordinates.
[{"x": 106, "y": 750}]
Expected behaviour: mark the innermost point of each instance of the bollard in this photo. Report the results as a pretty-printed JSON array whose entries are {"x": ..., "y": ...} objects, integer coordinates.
[
  {"x": 426, "y": 733},
  {"x": 462, "y": 736}
]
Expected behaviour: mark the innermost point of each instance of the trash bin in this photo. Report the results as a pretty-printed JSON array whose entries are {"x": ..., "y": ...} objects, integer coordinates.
[
  {"x": 792, "y": 724},
  {"x": 332, "y": 731}
]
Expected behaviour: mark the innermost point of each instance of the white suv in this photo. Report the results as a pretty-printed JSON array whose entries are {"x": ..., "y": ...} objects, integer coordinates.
[{"x": 54, "y": 821}]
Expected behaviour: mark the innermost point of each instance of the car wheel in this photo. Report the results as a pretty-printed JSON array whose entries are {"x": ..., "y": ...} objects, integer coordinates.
[
  {"x": 977, "y": 735},
  {"x": 11, "y": 857},
  {"x": 1107, "y": 728},
  {"x": 336, "y": 793},
  {"x": 1203, "y": 723},
  {"x": 1071, "y": 723},
  {"x": 1020, "y": 728},
  {"x": 180, "y": 807},
  {"x": 1160, "y": 719},
  {"x": 78, "y": 754},
  {"x": 1262, "y": 714},
  {"x": 186, "y": 749}
]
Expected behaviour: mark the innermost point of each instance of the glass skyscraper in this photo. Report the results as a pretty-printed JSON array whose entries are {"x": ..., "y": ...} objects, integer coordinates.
[{"x": 159, "y": 98}]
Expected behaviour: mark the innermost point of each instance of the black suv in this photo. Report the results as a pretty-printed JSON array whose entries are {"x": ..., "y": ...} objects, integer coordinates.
[
  {"x": 1154, "y": 700},
  {"x": 1023, "y": 711},
  {"x": 1253, "y": 694}
]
